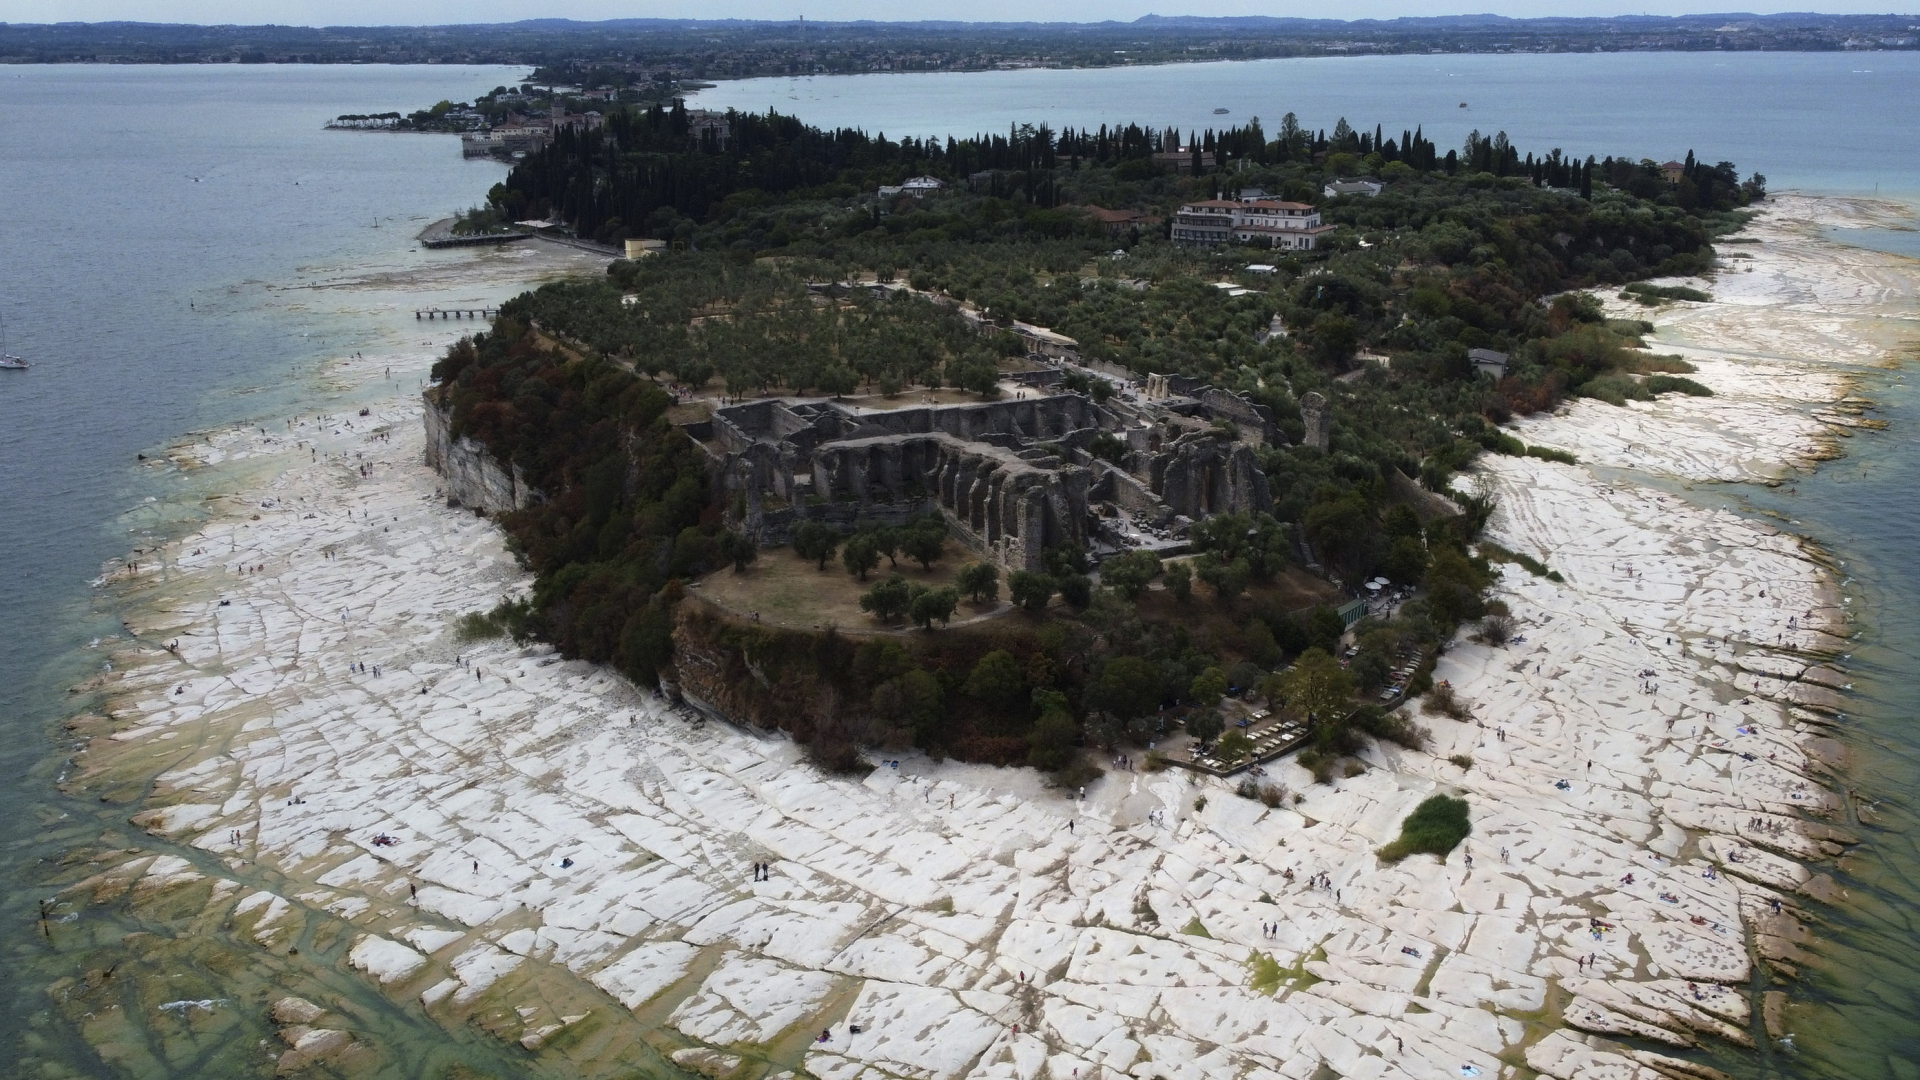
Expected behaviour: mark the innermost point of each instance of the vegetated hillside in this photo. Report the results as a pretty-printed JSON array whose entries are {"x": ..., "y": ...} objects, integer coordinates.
[{"x": 1444, "y": 260}]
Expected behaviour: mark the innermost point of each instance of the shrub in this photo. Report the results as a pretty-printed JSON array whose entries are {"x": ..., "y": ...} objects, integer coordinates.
[
  {"x": 835, "y": 755},
  {"x": 1463, "y": 761},
  {"x": 1391, "y": 726},
  {"x": 1649, "y": 294},
  {"x": 1497, "y": 629},
  {"x": 509, "y": 618},
  {"x": 1661, "y": 363},
  {"x": 1664, "y": 384},
  {"x": 1547, "y": 453},
  {"x": 1180, "y": 581},
  {"x": 1076, "y": 590},
  {"x": 1435, "y": 827},
  {"x": 477, "y": 626},
  {"x": 1494, "y": 553},
  {"x": 1442, "y": 699}
]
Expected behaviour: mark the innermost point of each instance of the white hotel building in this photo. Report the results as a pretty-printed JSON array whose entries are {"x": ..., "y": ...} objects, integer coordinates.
[{"x": 1289, "y": 226}]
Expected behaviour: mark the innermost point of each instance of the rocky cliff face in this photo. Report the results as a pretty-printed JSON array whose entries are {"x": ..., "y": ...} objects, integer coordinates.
[{"x": 474, "y": 478}]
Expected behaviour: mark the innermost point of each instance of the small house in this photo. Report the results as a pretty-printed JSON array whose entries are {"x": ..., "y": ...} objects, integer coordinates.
[
  {"x": 1365, "y": 189},
  {"x": 1488, "y": 362}
]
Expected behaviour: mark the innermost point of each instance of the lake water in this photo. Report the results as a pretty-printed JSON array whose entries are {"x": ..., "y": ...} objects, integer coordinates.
[
  {"x": 165, "y": 224},
  {"x": 162, "y": 223}
]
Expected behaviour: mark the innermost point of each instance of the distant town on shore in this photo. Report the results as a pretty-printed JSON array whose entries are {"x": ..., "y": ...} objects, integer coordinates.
[{"x": 649, "y": 52}]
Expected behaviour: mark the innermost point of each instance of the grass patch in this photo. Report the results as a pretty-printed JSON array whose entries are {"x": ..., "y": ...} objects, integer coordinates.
[
  {"x": 1662, "y": 384},
  {"x": 1435, "y": 827},
  {"x": 1268, "y": 977},
  {"x": 1494, "y": 553},
  {"x": 1613, "y": 388},
  {"x": 509, "y": 618},
  {"x": 1502, "y": 443},
  {"x": 1267, "y": 974},
  {"x": 477, "y": 626},
  {"x": 1659, "y": 363},
  {"x": 1653, "y": 294},
  {"x": 1195, "y": 928}
]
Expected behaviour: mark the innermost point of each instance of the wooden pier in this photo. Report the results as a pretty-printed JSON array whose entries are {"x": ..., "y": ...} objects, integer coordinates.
[{"x": 456, "y": 313}]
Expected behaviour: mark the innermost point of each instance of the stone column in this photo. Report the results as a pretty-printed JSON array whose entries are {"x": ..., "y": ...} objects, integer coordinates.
[{"x": 1313, "y": 413}]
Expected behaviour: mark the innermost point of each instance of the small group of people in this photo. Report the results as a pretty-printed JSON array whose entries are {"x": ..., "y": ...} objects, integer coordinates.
[{"x": 762, "y": 871}]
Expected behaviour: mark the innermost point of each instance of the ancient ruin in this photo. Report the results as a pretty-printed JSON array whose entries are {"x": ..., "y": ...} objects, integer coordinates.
[{"x": 1013, "y": 477}]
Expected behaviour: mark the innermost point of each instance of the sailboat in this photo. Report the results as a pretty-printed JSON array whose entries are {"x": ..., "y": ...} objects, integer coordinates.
[{"x": 7, "y": 359}]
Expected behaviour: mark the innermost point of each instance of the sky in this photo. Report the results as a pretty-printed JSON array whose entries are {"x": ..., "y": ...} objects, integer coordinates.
[{"x": 418, "y": 12}]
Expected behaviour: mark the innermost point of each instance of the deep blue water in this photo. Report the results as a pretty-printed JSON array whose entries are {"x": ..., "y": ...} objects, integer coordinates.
[{"x": 1829, "y": 122}]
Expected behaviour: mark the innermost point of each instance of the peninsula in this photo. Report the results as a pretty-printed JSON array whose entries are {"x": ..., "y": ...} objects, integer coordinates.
[{"x": 1352, "y": 706}]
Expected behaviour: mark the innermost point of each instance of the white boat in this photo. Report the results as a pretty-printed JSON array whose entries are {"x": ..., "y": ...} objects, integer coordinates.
[{"x": 8, "y": 361}]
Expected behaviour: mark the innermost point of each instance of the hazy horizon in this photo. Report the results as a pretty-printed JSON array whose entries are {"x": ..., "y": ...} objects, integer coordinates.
[{"x": 467, "y": 12}]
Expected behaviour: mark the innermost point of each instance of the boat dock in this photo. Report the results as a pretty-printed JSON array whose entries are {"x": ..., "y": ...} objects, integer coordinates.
[{"x": 470, "y": 241}]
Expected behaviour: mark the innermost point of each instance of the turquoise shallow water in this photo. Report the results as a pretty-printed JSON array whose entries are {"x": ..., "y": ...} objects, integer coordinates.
[{"x": 167, "y": 220}]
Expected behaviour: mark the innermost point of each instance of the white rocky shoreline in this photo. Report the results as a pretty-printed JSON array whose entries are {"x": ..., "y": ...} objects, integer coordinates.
[{"x": 570, "y": 856}]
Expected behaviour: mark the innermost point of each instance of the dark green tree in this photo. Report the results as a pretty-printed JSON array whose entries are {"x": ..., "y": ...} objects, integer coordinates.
[
  {"x": 997, "y": 680},
  {"x": 925, "y": 540},
  {"x": 1129, "y": 574},
  {"x": 860, "y": 555},
  {"x": 1128, "y": 686},
  {"x": 1050, "y": 743},
  {"x": 1180, "y": 581},
  {"x": 888, "y": 600},
  {"x": 980, "y": 581},
  {"x": 1205, "y": 725},
  {"x": 933, "y": 605},
  {"x": 1208, "y": 687},
  {"x": 1030, "y": 590},
  {"x": 738, "y": 550},
  {"x": 1076, "y": 590},
  {"x": 816, "y": 541}
]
